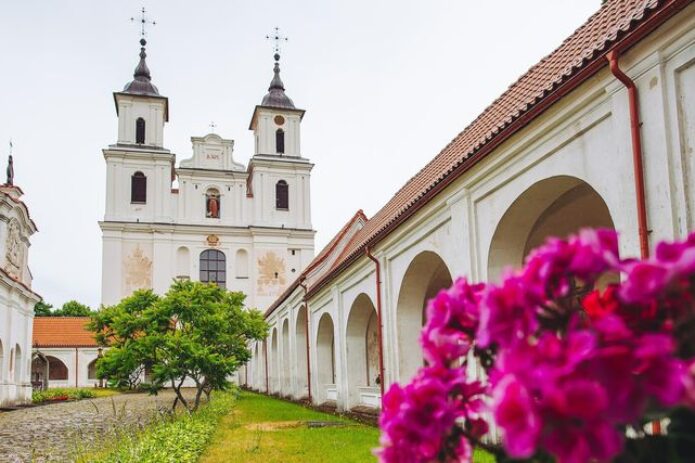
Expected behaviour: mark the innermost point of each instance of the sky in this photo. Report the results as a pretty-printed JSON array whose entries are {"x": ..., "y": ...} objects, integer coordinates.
[{"x": 386, "y": 85}]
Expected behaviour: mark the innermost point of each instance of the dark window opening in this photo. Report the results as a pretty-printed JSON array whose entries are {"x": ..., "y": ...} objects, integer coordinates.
[
  {"x": 138, "y": 188},
  {"x": 213, "y": 267},
  {"x": 282, "y": 195},
  {"x": 280, "y": 141},
  {"x": 140, "y": 131}
]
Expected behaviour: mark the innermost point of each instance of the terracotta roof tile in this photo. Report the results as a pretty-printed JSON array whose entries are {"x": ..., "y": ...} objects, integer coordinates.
[
  {"x": 587, "y": 44},
  {"x": 62, "y": 332}
]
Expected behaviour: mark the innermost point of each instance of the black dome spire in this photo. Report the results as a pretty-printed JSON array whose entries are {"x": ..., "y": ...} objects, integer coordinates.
[
  {"x": 276, "y": 92},
  {"x": 142, "y": 82}
]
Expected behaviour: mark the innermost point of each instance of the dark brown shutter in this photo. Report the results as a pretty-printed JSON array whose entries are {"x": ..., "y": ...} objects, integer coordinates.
[
  {"x": 140, "y": 131},
  {"x": 282, "y": 195},
  {"x": 138, "y": 188}
]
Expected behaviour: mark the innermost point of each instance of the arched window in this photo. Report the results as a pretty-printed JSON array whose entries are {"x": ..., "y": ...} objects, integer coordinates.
[
  {"x": 282, "y": 197},
  {"x": 212, "y": 204},
  {"x": 213, "y": 267},
  {"x": 183, "y": 270},
  {"x": 280, "y": 141},
  {"x": 92, "y": 369},
  {"x": 138, "y": 188},
  {"x": 140, "y": 131}
]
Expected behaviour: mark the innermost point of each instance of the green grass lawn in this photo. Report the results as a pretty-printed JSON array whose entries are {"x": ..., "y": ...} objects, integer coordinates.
[{"x": 263, "y": 429}]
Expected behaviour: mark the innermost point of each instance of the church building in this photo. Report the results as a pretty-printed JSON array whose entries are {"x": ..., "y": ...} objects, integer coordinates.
[
  {"x": 17, "y": 299},
  {"x": 246, "y": 228}
]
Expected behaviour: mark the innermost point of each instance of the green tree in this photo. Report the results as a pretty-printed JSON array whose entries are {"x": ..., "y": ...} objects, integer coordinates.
[
  {"x": 196, "y": 331},
  {"x": 73, "y": 309},
  {"x": 41, "y": 309}
]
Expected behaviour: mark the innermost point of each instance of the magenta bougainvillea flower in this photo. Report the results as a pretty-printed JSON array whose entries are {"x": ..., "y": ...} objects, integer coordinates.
[{"x": 577, "y": 346}]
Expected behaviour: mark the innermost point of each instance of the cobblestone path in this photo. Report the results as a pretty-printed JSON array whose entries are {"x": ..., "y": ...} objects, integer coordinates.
[{"x": 53, "y": 433}]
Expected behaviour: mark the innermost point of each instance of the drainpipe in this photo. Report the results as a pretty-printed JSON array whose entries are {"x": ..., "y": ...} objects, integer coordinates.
[
  {"x": 637, "y": 164},
  {"x": 638, "y": 167},
  {"x": 265, "y": 357},
  {"x": 306, "y": 323},
  {"x": 77, "y": 370},
  {"x": 380, "y": 338}
]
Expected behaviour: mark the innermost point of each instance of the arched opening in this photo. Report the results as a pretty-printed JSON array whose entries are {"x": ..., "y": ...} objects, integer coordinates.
[
  {"x": 92, "y": 370},
  {"x": 212, "y": 204},
  {"x": 362, "y": 354},
  {"x": 138, "y": 188},
  {"x": 18, "y": 360},
  {"x": 280, "y": 141},
  {"x": 213, "y": 267},
  {"x": 286, "y": 357},
  {"x": 325, "y": 356},
  {"x": 57, "y": 370},
  {"x": 2, "y": 362},
  {"x": 274, "y": 362},
  {"x": 140, "y": 131},
  {"x": 282, "y": 196},
  {"x": 427, "y": 274},
  {"x": 556, "y": 206},
  {"x": 242, "y": 263},
  {"x": 301, "y": 339},
  {"x": 183, "y": 263},
  {"x": 255, "y": 381}
]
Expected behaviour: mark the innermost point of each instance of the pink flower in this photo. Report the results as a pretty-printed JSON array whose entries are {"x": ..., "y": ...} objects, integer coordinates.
[
  {"x": 452, "y": 318},
  {"x": 507, "y": 314},
  {"x": 516, "y": 414}
]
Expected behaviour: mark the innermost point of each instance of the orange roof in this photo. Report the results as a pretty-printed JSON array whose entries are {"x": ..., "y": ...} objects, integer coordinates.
[
  {"x": 617, "y": 24},
  {"x": 62, "y": 332}
]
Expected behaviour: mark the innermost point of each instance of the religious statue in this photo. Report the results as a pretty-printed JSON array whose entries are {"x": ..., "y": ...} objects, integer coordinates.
[
  {"x": 10, "y": 171},
  {"x": 213, "y": 207}
]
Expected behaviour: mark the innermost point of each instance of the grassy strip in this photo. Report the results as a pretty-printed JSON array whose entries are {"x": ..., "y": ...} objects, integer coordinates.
[
  {"x": 59, "y": 394},
  {"x": 261, "y": 429},
  {"x": 178, "y": 439}
]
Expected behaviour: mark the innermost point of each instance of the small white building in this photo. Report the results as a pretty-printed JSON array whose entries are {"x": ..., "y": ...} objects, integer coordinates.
[
  {"x": 64, "y": 353},
  {"x": 248, "y": 228},
  {"x": 17, "y": 299}
]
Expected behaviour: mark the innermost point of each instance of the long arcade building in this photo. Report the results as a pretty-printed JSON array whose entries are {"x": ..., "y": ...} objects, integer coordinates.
[{"x": 559, "y": 150}]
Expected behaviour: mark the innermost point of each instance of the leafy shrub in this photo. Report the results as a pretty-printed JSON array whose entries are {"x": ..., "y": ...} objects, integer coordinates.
[
  {"x": 61, "y": 394},
  {"x": 175, "y": 439}
]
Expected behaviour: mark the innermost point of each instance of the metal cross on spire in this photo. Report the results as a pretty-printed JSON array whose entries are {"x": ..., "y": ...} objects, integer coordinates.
[
  {"x": 213, "y": 126},
  {"x": 144, "y": 21},
  {"x": 277, "y": 39}
]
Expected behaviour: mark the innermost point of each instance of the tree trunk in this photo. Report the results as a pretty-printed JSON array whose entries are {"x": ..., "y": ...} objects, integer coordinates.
[{"x": 179, "y": 396}]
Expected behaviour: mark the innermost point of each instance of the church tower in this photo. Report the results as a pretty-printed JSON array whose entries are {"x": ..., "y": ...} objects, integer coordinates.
[{"x": 279, "y": 175}]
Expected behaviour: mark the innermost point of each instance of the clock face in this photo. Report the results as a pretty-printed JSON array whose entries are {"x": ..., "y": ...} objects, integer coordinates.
[{"x": 279, "y": 120}]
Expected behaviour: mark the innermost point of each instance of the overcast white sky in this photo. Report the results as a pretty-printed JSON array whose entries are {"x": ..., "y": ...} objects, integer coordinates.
[{"x": 386, "y": 85}]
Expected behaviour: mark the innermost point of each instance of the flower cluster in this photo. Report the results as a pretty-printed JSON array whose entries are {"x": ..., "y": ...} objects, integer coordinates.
[{"x": 582, "y": 345}]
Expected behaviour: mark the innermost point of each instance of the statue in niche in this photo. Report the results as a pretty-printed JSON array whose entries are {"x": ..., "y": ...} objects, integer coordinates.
[
  {"x": 14, "y": 249},
  {"x": 10, "y": 171},
  {"x": 213, "y": 205}
]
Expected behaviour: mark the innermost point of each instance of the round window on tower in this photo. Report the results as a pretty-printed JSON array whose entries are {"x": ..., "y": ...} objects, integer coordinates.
[{"x": 279, "y": 120}]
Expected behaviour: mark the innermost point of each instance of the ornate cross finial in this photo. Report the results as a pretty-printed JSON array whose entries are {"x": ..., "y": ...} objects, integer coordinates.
[
  {"x": 143, "y": 22},
  {"x": 278, "y": 39},
  {"x": 213, "y": 126},
  {"x": 10, "y": 147}
]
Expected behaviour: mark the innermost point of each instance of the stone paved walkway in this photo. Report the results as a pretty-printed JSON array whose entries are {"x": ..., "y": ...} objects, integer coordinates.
[{"x": 52, "y": 433}]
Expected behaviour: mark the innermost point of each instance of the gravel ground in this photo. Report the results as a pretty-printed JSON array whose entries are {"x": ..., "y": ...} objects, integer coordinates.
[{"x": 53, "y": 433}]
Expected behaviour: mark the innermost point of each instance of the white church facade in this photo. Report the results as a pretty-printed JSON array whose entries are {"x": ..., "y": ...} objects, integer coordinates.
[
  {"x": 600, "y": 133},
  {"x": 17, "y": 299},
  {"x": 210, "y": 218}
]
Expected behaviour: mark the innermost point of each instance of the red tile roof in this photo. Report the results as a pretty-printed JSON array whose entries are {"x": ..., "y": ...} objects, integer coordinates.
[
  {"x": 326, "y": 252},
  {"x": 62, "y": 332},
  {"x": 618, "y": 23}
]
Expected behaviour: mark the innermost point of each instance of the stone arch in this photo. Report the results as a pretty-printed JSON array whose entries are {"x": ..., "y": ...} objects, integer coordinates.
[
  {"x": 325, "y": 358},
  {"x": 362, "y": 350},
  {"x": 285, "y": 384},
  {"x": 555, "y": 206},
  {"x": 2, "y": 362},
  {"x": 426, "y": 275},
  {"x": 18, "y": 361},
  {"x": 183, "y": 263},
  {"x": 92, "y": 370},
  {"x": 274, "y": 362},
  {"x": 301, "y": 340}
]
